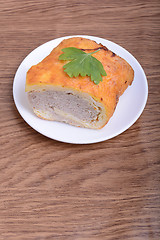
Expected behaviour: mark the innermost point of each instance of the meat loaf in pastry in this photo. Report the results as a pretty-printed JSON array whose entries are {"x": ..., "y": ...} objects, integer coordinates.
[{"x": 78, "y": 101}]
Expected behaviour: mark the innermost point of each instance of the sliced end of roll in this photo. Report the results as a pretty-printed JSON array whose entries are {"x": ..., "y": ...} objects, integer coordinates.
[{"x": 69, "y": 106}]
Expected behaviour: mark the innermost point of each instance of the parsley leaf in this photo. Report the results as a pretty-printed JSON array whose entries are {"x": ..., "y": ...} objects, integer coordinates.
[{"x": 83, "y": 64}]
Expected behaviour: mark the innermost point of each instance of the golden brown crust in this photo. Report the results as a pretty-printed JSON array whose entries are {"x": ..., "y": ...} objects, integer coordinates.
[{"x": 119, "y": 73}]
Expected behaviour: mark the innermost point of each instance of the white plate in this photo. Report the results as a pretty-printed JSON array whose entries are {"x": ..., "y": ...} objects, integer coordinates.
[{"x": 128, "y": 110}]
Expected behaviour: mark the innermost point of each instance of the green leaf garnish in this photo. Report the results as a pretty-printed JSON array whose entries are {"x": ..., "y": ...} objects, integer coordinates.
[{"x": 83, "y": 64}]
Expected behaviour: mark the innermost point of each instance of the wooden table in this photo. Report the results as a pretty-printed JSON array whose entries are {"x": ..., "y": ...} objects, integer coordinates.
[{"x": 52, "y": 190}]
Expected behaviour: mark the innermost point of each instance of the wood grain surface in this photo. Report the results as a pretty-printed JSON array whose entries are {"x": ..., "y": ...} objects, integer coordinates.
[{"x": 104, "y": 191}]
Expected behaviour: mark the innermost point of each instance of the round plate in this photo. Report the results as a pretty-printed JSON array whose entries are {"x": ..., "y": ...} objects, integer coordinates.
[{"x": 128, "y": 110}]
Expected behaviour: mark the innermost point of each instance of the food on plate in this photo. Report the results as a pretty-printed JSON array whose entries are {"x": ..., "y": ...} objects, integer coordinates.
[{"x": 78, "y": 83}]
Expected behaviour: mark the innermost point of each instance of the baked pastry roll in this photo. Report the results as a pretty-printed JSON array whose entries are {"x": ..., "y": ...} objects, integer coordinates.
[{"x": 78, "y": 101}]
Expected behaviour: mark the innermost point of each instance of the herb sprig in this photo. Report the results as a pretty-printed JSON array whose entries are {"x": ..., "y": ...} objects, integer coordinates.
[{"x": 83, "y": 64}]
